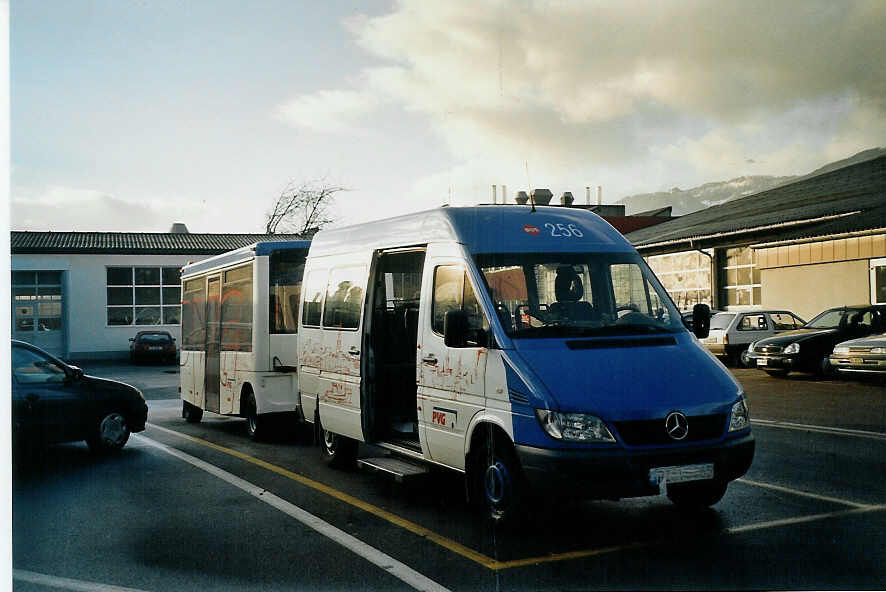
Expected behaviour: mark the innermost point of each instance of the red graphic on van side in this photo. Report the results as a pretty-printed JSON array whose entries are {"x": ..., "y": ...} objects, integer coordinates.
[{"x": 530, "y": 229}]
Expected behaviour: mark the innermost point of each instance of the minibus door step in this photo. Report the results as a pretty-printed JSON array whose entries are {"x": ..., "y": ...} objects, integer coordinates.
[{"x": 397, "y": 468}]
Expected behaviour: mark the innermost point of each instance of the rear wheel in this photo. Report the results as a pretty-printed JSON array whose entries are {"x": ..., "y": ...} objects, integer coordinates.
[
  {"x": 191, "y": 413},
  {"x": 696, "y": 495},
  {"x": 338, "y": 451},
  {"x": 109, "y": 434}
]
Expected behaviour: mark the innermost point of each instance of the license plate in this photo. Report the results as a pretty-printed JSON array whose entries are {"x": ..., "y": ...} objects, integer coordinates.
[
  {"x": 762, "y": 362},
  {"x": 681, "y": 474},
  {"x": 856, "y": 361},
  {"x": 156, "y": 347}
]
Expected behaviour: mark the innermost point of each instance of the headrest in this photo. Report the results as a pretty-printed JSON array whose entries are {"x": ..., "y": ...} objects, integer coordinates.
[{"x": 567, "y": 285}]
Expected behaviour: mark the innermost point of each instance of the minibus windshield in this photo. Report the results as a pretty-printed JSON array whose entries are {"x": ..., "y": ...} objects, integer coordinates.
[{"x": 576, "y": 294}]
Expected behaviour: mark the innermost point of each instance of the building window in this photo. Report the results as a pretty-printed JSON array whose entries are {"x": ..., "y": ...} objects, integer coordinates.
[
  {"x": 739, "y": 277},
  {"x": 878, "y": 281},
  {"x": 37, "y": 301},
  {"x": 143, "y": 296},
  {"x": 686, "y": 276}
]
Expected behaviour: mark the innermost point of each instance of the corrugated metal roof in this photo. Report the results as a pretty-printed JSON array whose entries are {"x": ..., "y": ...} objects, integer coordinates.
[
  {"x": 860, "y": 187},
  {"x": 125, "y": 243}
]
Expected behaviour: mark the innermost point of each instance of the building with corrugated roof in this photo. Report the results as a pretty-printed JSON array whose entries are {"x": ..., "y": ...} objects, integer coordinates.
[
  {"x": 805, "y": 246},
  {"x": 82, "y": 295}
]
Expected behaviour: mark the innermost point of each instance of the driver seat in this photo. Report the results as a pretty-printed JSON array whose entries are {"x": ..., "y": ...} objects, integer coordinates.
[{"x": 569, "y": 289}]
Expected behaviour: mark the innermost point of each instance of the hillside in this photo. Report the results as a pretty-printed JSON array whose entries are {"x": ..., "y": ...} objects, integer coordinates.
[{"x": 715, "y": 193}]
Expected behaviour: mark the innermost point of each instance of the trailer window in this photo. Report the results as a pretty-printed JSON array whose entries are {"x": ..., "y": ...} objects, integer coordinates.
[
  {"x": 236, "y": 310},
  {"x": 284, "y": 291}
]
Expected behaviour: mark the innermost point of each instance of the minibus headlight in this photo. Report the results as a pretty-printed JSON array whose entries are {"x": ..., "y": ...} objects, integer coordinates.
[
  {"x": 793, "y": 348},
  {"x": 740, "y": 418},
  {"x": 573, "y": 427}
]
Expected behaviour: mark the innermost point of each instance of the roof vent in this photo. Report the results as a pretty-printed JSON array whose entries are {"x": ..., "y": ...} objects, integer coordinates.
[
  {"x": 566, "y": 199},
  {"x": 179, "y": 228},
  {"x": 522, "y": 197},
  {"x": 541, "y": 197}
]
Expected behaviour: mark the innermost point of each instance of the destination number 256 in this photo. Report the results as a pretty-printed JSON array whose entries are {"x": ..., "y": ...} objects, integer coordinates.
[{"x": 564, "y": 230}]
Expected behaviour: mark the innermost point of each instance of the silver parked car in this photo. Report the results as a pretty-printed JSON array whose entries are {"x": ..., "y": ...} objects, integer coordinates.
[
  {"x": 862, "y": 355},
  {"x": 732, "y": 332}
]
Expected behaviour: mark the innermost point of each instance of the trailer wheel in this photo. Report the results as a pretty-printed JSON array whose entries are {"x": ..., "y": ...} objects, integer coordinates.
[
  {"x": 338, "y": 451},
  {"x": 191, "y": 413},
  {"x": 256, "y": 425}
]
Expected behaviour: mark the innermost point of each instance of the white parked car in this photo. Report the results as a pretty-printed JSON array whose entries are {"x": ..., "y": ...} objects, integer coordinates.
[{"x": 732, "y": 332}]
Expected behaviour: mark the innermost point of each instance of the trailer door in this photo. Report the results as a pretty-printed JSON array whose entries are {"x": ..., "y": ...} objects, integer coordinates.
[{"x": 213, "y": 337}]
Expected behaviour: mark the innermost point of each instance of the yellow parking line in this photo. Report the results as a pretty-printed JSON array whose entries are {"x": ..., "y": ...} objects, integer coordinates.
[
  {"x": 412, "y": 527},
  {"x": 494, "y": 564}
]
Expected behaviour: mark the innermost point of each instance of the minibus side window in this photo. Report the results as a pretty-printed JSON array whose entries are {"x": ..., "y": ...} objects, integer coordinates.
[
  {"x": 236, "y": 310},
  {"x": 453, "y": 291},
  {"x": 344, "y": 298},
  {"x": 313, "y": 292},
  {"x": 193, "y": 309}
]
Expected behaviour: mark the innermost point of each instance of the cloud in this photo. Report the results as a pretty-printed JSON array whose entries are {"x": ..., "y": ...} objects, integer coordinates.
[
  {"x": 579, "y": 87},
  {"x": 327, "y": 110},
  {"x": 84, "y": 210}
]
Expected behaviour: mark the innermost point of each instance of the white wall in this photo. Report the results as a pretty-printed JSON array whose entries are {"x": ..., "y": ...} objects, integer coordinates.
[{"x": 85, "y": 297}]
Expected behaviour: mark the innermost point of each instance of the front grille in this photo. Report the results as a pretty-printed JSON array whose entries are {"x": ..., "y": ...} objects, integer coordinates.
[
  {"x": 768, "y": 349},
  {"x": 649, "y": 432}
]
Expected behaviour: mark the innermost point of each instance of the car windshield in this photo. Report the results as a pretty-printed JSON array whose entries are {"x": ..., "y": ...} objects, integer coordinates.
[
  {"x": 829, "y": 319},
  {"x": 573, "y": 294},
  {"x": 155, "y": 338},
  {"x": 721, "y": 320}
]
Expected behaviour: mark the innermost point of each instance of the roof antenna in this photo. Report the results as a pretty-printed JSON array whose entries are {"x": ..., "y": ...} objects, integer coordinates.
[{"x": 531, "y": 199}]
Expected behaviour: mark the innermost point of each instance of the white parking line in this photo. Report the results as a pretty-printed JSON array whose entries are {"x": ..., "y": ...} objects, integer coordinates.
[
  {"x": 799, "y": 492},
  {"x": 397, "y": 569},
  {"x": 802, "y": 519},
  {"x": 66, "y": 583},
  {"x": 819, "y": 429}
]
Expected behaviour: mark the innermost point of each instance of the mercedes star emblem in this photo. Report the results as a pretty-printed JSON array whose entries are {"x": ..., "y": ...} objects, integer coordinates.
[{"x": 677, "y": 425}]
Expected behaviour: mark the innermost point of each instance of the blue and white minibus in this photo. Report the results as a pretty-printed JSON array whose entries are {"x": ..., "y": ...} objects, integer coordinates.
[
  {"x": 239, "y": 334},
  {"x": 531, "y": 349}
]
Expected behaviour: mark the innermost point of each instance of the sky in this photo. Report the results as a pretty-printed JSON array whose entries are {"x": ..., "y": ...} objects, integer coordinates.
[{"x": 131, "y": 115}]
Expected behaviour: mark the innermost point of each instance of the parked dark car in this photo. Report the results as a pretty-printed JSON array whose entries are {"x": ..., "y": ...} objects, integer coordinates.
[
  {"x": 866, "y": 355},
  {"x": 152, "y": 345},
  {"x": 808, "y": 349},
  {"x": 53, "y": 402}
]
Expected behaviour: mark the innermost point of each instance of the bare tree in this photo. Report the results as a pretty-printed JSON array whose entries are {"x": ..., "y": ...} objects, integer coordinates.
[{"x": 302, "y": 208}]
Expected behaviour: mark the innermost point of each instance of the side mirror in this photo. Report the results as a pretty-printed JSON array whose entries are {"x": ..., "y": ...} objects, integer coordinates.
[
  {"x": 701, "y": 320},
  {"x": 76, "y": 372},
  {"x": 455, "y": 328},
  {"x": 132, "y": 339}
]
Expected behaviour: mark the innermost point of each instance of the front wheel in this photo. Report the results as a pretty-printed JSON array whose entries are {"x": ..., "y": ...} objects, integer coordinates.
[
  {"x": 696, "y": 495},
  {"x": 498, "y": 482},
  {"x": 110, "y": 433}
]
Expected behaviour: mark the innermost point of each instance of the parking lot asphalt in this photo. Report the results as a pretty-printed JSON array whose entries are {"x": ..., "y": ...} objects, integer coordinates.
[{"x": 810, "y": 514}]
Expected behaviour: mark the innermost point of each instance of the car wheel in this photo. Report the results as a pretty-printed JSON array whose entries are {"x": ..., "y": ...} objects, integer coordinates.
[
  {"x": 498, "y": 482},
  {"x": 744, "y": 360},
  {"x": 110, "y": 433},
  {"x": 824, "y": 368},
  {"x": 338, "y": 451},
  {"x": 697, "y": 494},
  {"x": 780, "y": 373},
  {"x": 191, "y": 413},
  {"x": 256, "y": 425}
]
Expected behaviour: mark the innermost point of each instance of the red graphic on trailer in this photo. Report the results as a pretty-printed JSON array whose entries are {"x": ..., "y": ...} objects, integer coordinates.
[{"x": 530, "y": 229}]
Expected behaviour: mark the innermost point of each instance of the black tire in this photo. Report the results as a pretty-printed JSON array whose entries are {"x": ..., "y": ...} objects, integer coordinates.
[
  {"x": 696, "y": 495},
  {"x": 780, "y": 373},
  {"x": 743, "y": 360},
  {"x": 109, "y": 433},
  {"x": 497, "y": 481},
  {"x": 338, "y": 451},
  {"x": 256, "y": 425},
  {"x": 825, "y": 369},
  {"x": 191, "y": 413}
]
